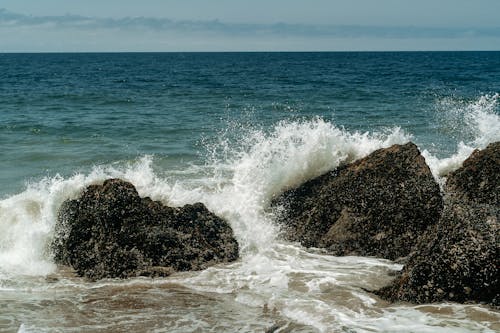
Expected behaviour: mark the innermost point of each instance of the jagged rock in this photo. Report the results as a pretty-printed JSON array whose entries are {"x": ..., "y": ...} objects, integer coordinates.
[
  {"x": 377, "y": 206},
  {"x": 458, "y": 258},
  {"x": 112, "y": 232},
  {"x": 478, "y": 178}
]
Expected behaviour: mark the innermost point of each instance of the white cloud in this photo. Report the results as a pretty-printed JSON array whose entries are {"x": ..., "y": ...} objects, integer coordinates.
[{"x": 79, "y": 33}]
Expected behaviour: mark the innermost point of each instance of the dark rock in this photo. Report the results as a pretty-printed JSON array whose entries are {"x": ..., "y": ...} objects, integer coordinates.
[
  {"x": 458, "y": 258},
  {"x": 477, "y": 179},
  {"x": 112, "y": 232},
  {"x": 376, "y": 206}
]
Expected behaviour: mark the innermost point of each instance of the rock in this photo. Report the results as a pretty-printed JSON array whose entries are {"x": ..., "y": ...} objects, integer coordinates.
[
  {"x": 376, "y": 206},
  {"x": 112, "y": 232},
  {"x": 477, "y": 179},
  {"x": 458, "y": 258}
]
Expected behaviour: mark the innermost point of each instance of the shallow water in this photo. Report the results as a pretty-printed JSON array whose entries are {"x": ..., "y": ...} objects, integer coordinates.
[{"x": 229, "y": 130}]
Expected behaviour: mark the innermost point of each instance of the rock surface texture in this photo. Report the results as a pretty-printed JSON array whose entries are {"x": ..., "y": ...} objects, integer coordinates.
[
  {"x": 112, "y": 232},
  {"x": 458, "y": 258},
  {"x": 477, "y": 181},
  {"x": 377, "y": 206}
]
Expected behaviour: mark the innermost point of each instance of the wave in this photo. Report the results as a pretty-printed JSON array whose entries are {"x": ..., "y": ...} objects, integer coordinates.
[
  {"x": 238, "y": 180},
  {"x": 474, "y": 124},
  {"x": 236, "y": 187},
  {"x": 242, "y": 173}
]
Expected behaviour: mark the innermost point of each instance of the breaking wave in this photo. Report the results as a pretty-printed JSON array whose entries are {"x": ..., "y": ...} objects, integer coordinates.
[
  {"x": 237, "y": 181},
  {"x": 473, "y": 125}
]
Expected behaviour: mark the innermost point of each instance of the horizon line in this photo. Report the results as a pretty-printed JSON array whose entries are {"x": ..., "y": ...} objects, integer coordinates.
[{"x": 253, "y": 51}]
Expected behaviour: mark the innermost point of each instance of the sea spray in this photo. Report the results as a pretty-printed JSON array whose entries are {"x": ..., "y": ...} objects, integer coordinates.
[
  {"x": 293, "y": 152},
  {"x": 473, "y": 124},
  {"x": 27, "y": 219},
  {"x": 263, "y": 164}
]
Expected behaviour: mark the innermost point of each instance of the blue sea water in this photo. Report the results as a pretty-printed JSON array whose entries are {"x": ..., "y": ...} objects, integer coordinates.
[
  {"x": 229, "y": 130},
  {"x": 62, "y": 113}
]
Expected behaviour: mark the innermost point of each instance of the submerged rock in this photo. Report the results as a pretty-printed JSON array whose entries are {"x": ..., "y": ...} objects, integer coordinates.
[
  {"x": 377, "y": 206},
  {"x": 112, "y": 232},
  {"x": 458, "y": 258}
]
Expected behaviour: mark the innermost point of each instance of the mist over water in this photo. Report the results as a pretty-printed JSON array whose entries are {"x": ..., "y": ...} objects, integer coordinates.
[{"x": 219, "y": 129}]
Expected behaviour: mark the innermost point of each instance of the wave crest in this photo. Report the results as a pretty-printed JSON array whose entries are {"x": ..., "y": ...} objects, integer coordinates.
[{"x": 474, "y": 124}]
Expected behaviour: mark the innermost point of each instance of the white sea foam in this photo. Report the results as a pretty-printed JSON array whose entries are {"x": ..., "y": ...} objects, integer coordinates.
[
  {"x": 474, "y": 124},
  {"x": 27, "y": 219},
  {"x": 265, "y": 163}
]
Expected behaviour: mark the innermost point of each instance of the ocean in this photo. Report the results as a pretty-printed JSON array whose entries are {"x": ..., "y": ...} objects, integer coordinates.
[{"x": 230, "y": 130}]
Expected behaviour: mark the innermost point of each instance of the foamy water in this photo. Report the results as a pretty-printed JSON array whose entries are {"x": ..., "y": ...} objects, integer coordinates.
[
  {"x": 477, "y": 121},
  {"x": 273, "y": 283}
]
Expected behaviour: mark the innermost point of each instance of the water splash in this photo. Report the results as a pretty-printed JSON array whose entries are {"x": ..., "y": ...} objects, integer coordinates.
[
  {"x": 263, "y": 164},
  {"x": 473, "y": 124},
  {"x": 237, "y": 187},
  {"x": 27, "y": 219}
]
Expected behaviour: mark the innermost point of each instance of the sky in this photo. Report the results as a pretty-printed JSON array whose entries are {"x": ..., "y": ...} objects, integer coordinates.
[{"x": 252, "y": 25}]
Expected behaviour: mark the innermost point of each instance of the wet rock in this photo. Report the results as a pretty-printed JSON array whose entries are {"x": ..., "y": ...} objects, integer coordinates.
[
  {"x": 112, "y": 232},
  {"x": 458, "y": 258},
  {"x": 477, "y": 179},
  {"x": 377, "y": 206}
]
